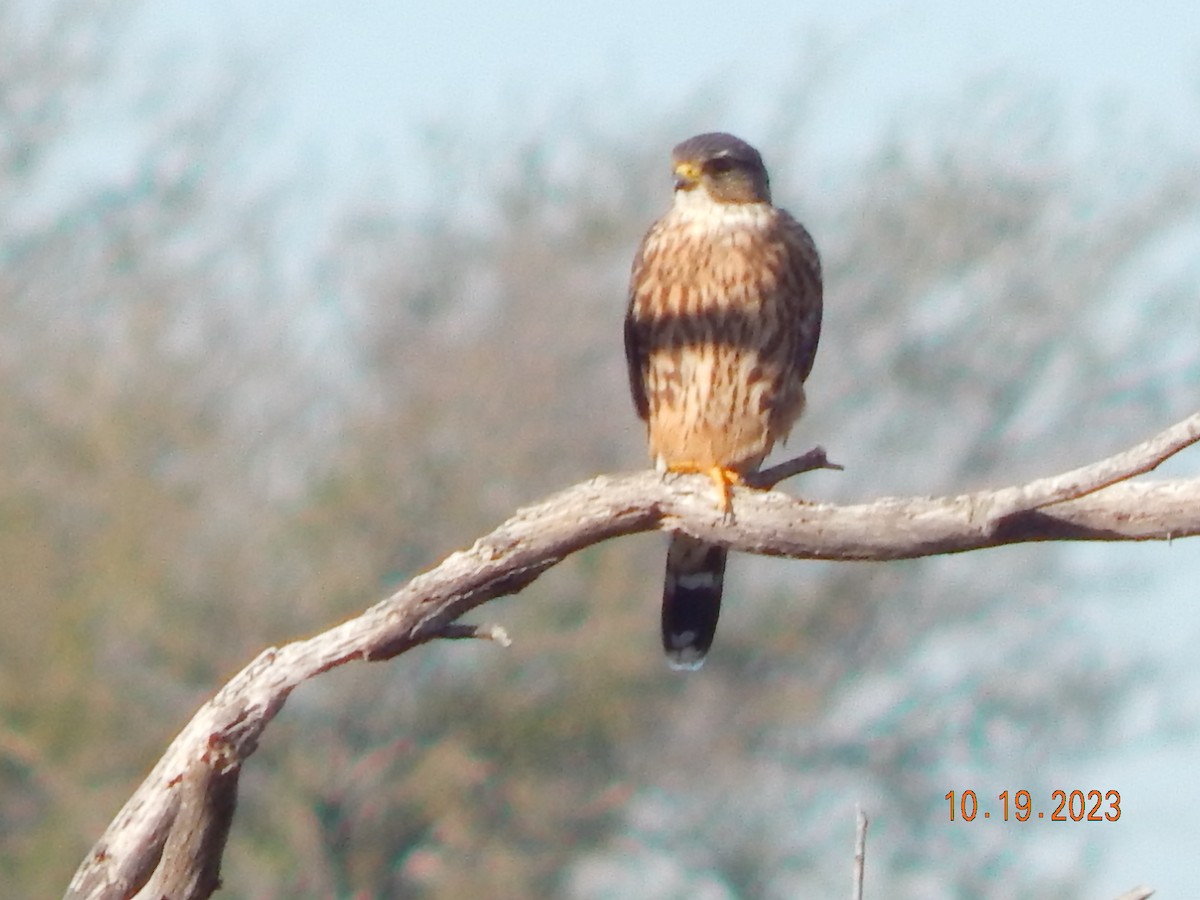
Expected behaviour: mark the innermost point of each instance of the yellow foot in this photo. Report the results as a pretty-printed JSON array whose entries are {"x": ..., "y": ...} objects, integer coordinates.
[{"x": 723, "y": 480}]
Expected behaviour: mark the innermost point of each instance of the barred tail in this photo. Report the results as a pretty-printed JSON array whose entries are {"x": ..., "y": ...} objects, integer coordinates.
[{"x": 691, "y": 600}]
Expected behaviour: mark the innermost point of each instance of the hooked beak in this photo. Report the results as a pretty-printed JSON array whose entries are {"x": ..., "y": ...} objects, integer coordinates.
[{"x": 687, "y": 176}]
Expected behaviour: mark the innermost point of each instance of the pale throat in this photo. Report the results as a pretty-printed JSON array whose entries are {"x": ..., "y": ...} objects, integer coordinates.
[{"x": 697, "y": 211}]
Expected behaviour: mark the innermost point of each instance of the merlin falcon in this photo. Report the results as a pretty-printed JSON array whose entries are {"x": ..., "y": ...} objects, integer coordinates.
[{"x": 722, "y": 327}]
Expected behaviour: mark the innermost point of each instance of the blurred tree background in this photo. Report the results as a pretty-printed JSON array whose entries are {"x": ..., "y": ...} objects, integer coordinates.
[{"x": 211, "y": 446}]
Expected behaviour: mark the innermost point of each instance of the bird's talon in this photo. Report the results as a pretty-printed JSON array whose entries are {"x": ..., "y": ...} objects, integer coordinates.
[{"x": 724, "y": 480}]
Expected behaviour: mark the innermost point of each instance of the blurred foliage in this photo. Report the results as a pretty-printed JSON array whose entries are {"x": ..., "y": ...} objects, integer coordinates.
[{"x": 186, "y": 480}]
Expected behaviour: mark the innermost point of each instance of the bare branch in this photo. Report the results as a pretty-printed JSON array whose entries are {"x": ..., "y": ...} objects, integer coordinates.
[
  {"x": 461, "y": 631},
  {"x": 190, "y": 866},
  {"x": 810, "y": 461},
  {"x": 860, "y": 853},
  {"x": 180, "y": 798},
  {"x": 1080, "y": 482}
]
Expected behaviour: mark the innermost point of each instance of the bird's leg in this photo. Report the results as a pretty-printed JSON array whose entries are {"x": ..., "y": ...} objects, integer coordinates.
[{"x": 723, "y": 480}]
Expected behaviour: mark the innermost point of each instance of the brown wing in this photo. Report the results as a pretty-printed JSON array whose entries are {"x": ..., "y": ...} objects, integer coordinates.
[
  {"x": 804, "y": 275},
  {"x": 636, "y": 348}
]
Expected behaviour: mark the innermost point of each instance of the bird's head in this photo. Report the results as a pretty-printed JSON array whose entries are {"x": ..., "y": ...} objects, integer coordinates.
[{"x": 728, "y": 169}]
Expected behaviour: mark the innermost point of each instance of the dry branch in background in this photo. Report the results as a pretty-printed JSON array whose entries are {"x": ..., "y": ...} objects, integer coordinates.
[
  {"x": 860, "y": 854},
  {"x": 860, "y": 858},
  {"x": 169, "y": 837}
]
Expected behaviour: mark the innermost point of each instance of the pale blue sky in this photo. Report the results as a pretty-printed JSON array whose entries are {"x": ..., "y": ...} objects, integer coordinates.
[
  {"x": 350, "y": 83},
  {"x": 346, "y": 86}
]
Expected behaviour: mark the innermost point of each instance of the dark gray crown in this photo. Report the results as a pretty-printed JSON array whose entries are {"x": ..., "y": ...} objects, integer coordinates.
[{"x": 717, "y": 144}]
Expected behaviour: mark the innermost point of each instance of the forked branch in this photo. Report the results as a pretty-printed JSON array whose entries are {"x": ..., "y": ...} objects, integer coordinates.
[{"x": 169, "y": 837}]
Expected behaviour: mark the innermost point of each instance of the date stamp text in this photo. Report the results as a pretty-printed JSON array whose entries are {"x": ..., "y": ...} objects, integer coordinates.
[{"x": 1064, "y": 806}]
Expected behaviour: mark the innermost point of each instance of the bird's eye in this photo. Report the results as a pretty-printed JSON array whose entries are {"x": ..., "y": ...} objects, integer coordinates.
[{"x": 720, "y": 165}]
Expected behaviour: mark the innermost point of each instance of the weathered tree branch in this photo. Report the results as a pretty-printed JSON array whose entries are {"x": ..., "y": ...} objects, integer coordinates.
[{"x": 169, "y": 837}]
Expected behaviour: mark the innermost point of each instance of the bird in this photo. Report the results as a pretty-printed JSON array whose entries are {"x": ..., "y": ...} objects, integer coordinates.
[{"x": 721, "y": 331}]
